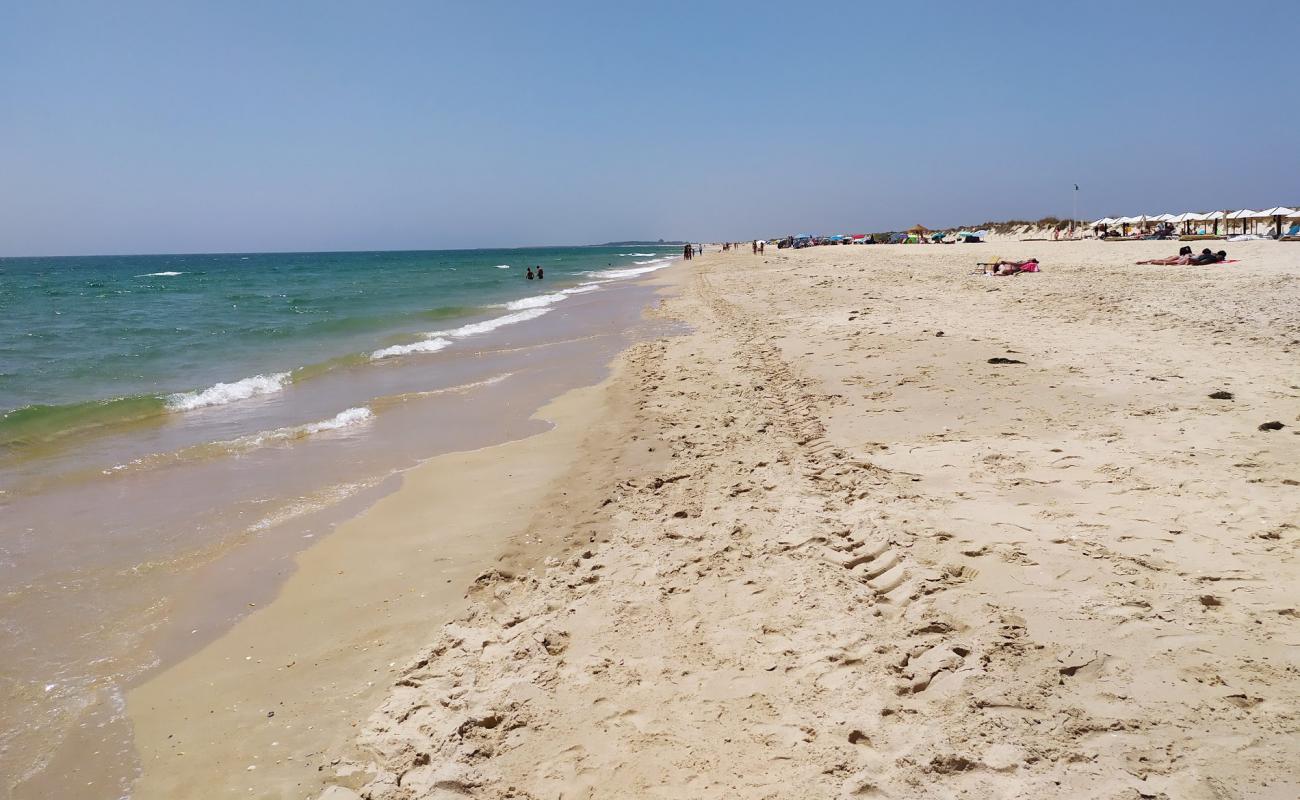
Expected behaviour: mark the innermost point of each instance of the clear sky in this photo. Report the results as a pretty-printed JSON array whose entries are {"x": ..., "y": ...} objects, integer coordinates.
[{"x": 129, "y": 127}]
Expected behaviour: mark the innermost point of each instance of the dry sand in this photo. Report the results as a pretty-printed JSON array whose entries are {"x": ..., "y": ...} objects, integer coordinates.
[{"x": 820, "y": 546}]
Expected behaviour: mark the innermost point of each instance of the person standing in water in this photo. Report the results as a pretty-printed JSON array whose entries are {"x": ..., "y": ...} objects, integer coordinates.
[
  {"x": 539, "y": 272},
  {"x": 530, "y": 273}
]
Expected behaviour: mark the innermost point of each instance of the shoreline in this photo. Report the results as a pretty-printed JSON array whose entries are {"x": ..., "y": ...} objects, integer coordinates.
[
  {"x": 187, "y": 584},
  {"x": 338, "y": 626}
]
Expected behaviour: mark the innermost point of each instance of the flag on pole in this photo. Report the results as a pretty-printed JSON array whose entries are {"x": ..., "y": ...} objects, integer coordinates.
[{"x": 1076, "y": 187}]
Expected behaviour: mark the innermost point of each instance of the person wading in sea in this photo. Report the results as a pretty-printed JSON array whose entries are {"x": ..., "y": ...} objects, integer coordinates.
[
  {"x": 539, "y": 272},
  {"x": 530, "y": 273}
]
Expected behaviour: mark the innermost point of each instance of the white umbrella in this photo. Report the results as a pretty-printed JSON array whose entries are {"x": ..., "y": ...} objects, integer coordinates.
[
  {"x": 1105, "y": 221},
  {"x": 1279, "y": 211},
  {"x": 1163, "y": 218}
]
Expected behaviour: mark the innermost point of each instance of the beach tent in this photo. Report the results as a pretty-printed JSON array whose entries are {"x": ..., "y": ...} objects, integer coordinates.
[
  {"x": 1278, "y": 213},
  {"x": 1186, "y": 219},
  {"x": 1243, "y": 215},
  {"x": 1215, "y": 217}
]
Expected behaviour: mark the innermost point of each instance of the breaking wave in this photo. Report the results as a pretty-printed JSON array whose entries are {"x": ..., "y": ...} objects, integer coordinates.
[{"x": 222, "y": 393}]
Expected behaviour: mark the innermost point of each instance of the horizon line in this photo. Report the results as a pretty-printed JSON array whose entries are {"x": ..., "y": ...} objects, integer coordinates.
[{"x": 362, "y": 250}]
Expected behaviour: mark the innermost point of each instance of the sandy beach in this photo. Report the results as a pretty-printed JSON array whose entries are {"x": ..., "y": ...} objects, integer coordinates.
[{"x": 873, "y": 526}]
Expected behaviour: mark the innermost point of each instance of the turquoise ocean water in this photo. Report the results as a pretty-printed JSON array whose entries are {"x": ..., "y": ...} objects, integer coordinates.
[{"x": 88, "y": 344}]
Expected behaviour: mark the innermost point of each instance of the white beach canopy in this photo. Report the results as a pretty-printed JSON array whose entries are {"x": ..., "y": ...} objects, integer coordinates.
[
  {"x": 1163, "y": 218},
  {"x": 1246, "y": 213},
  {"x": 1279, "y": 211},
  {"x": 1104, "y": 221}
]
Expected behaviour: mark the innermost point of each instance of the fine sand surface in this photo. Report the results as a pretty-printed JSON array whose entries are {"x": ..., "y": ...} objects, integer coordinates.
[{"x": 820, "y": 546}]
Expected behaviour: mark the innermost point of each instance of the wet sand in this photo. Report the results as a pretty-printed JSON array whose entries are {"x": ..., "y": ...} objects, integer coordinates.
[
  {"x": 880, "y": 527},
  {"x": 260, "y": 711}
]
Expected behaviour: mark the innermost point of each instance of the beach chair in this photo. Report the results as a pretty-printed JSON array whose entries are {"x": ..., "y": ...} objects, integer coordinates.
[{"x": 1292, "y": 235}]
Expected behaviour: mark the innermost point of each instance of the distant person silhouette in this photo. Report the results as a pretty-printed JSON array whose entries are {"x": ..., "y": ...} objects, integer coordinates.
[
  {"x": 530, "y": 273},
  {"x": 539, "y": 272}
]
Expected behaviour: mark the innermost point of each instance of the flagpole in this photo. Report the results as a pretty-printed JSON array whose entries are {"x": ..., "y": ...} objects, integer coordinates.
[{"x": 1075, "y": 215}]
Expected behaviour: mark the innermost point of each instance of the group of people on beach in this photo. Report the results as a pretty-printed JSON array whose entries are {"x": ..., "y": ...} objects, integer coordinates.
[
  {"x": 1001, "y": 268},
  {"x": 540, "y": 275},
  {"x": 755, "y": 247},
  {"x": 1185, "y": 257}
]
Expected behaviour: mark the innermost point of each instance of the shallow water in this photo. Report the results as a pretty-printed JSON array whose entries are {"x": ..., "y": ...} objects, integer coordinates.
[{"x": 128, "y": 543}]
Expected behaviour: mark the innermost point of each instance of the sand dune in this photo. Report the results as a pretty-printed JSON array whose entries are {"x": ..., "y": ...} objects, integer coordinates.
[{"x": 821, "y": 546}]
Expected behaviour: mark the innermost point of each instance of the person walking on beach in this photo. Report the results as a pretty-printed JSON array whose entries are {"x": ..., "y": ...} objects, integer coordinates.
[
  {"x": 687, "y": 253},
  {"x": 761, "y": 245},
  {"x": 539, "y": 272},
  {"x": 530, "y": 273}
]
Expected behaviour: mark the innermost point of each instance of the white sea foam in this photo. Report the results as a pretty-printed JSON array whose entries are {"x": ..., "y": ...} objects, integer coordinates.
[
  {"x": 503, "y": 266},
  {"x": 223, "y": 393},
  {"x": 536, "y": 301},
  {"x": 344, "y": 419},
  {"x": 160, "y": 274},
  {"x": 475, "y": 328},
  {"x": 639, "y": 255},
  {"x": 582, "y": 288},
  {"x": 425, "y": 346},
  {"x": 643, "y": 268},
  {"x": 312, "y": 503}
]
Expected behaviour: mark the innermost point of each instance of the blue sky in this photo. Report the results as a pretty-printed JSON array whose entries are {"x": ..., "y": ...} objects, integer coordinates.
[{"x": 135, "y": 127}]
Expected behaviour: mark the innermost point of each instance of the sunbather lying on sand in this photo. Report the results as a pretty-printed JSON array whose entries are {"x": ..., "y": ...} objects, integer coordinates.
[
  {"x": 1002, "y": 268},
  {"x": 1185, "y": 257}
]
